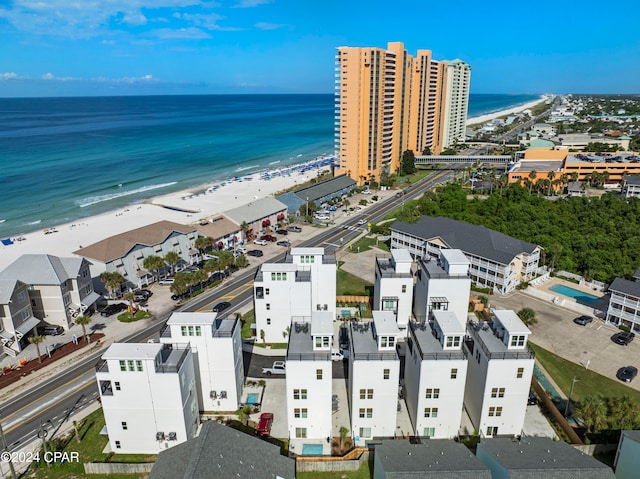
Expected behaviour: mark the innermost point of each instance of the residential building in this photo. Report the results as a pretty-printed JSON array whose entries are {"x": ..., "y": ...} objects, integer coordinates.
[
  {"x": 434, "y": 459},
  {"x": 442, "y": 285},
  {"x": 631, "y": 186},
  {"x": 288, "y": 291},
  {"x": 217, "y": 356},
  {"x": 224, "y": 232},
  {"x": 456, "y": 104},
  {"x": 148, "y": 395},
  {"x": 125, "y": 252},
  {"x": 317, "y": 193},
  {"x": 393, "y": 285},
  {"x": 387, "y": 102},
  {"x": 374, "y": 373},
  {"x": 498, "y": 374},
  {"x": 624, "y": 304},
  {"x": 308, "y": 381},
  {"x": 224, "y": 452},
  {"x": 628, "y": 455},
  {"x": 60, "y": 288},
  {"x": 539, "y": 457},
  {"x": 435, "y": 370},
  {"x": 496, "y": 260},
  {"x": 257, "y": 215},
  {"x": 17, "y": 322}
]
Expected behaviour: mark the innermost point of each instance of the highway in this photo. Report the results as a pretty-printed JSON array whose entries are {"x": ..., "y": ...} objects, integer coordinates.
[{"x": 48, "y": 406}]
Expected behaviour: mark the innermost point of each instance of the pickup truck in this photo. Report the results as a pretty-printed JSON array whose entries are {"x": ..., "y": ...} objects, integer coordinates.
[{"x": 278, "y": 367}]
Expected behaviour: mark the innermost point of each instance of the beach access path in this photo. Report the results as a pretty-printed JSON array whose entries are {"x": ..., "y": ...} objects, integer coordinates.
[{"x": 511, "y": 111}]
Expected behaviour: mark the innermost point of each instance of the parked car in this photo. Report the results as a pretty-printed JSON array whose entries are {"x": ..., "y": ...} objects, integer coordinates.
[
  {"x": 176, "y": 297},
  {"x": 362, "y": 222},
  {"x": 282, "y": 232},
  {"x": 627, "y": 373},
  {"x": 260, "y": 242},
  {"x": 269, "y": 238},
  {"x": 366, "y": 192},
  {"x": 166, "y": 281},
  {"x": 623, "y": 338},
  {"x": 583, "y": 320},
  {"x": 231, "y": 269},
  {"x": 255, "y": 252},
  {"x": 140, "y": 297},
  {"x": 144, "y": 292},
  {"x": 532, "y": 400},
  {"x": 284, "y": 243},
  {"x": 264, "y": 424},
  {"x": 113, "y": 309},
  {"x": 221, "y": 306},
  {"x": 294, "y": 229},
  {"x": 278, "y": 367},
  {"x": 50, "y": 330},
  {"x": 322, "y": 217},
  {"x": 344, "y": 338}
]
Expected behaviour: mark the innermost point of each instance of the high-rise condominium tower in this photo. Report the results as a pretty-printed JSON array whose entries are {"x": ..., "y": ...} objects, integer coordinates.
[
  {"x": 456, "y": 104},
  {"x": 387, "y": 102}
]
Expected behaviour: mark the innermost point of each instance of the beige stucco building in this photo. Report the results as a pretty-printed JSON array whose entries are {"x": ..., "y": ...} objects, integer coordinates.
[{"x": 16, "y": 316}]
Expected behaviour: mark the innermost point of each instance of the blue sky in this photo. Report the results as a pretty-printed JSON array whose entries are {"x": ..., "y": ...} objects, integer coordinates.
[{"x": 115, "y": 47}]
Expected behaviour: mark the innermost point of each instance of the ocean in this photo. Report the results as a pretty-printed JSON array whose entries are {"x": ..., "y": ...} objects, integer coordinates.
[{"x": 68, "y": 158}]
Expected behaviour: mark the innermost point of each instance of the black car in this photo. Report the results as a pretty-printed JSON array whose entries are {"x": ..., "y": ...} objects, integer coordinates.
[
  {"x": 344, "y": 338},
  {"x": 284, "y": 243},
  {"x": 218, "y": 308},
  {"x": 627, "y": 374},
  {"x": 113, "y": 309},
  {"x": 583, "y": 320},
  {"x": 282, "y": 232},
  {"x": 50, "y": 330},
  {"x": 231, "y": 269},
  {"x": 532, "y": 400},
  {"x": 255, "y": 252},
  {"x": 623, "y": 338},
  {"x": 294, "y": 229},
  {"x": 176, "y": 297}
]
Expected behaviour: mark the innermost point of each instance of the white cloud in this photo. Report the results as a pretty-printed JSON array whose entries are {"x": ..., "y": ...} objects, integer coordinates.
[
  {"x": 251, "y": 3},
  {"x": 191, "y": 33},
  {"x": 8, "y": 76},
  {"x": 269, "y": 26}
]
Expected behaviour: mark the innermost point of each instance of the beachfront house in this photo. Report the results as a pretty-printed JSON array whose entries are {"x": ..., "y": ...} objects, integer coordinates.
[
  {"x": 374, "y": 374},
  {"x": 217, "y": 357},
  {"x": 60, "y": 288},
  {"x": 125, "y": 252},
  {"x": 225, "y": 233},
  {"x": 17, "y": 322},
  {"x": 624, "y": 304},
  {"x": 148, "y": 395},
  {"x": 259, "y": 215},
  {"x": 393, "y": 285},
  {"x": 497, "y": 261},
  {"x": 499, "y": 374},
  {"x": 318, "y": 193},
  {"x": 309, "y": 382}
]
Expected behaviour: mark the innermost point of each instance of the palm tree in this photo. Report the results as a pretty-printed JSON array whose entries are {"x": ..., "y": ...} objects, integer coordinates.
[
  {"x": 199, "y": 276},
  {"x": 153, "y": 263},
  {"x": 532, "y": 176},
  {"x": 202, "y": 243},
  {"x": 83, "y": 320},
  {"x": 211, "y": 266},
  {"x": 179, "y": 286},
  {"x": 242, "y": 261},
  {"x": 37, "y": 340},
  {"x": 172, "y": 259},
  {"x": 131, "y": 298},
  {"x": 112, "y": 281},
  {"x": 593, "y": 411},
  {"x": 245, "y": 228},
  {"x": 551, "y": 176},
  {"x": 574, "y": 176}
]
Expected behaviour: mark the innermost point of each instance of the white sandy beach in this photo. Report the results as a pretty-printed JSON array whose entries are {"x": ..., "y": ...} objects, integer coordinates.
[{"x": 511, "y": 111}]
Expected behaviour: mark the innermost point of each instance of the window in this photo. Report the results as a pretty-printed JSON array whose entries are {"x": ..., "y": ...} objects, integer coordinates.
[
  {"x": 117, "y": 384},
  {"x": 21, "y": 297},
  {"x": 198, "y": 331},
  {"x": 130, "y": 364},
  {"x": 124, "y": 425},
  {"x": 492, "y": 431},
  {"x": 517, "y": 341},
  {"x": 300, "y": 413},
  {"x": 520, "y": 373},
  {"x": 365, "y": 432},
  {"x": 318, "y": 374},
  {"x": 266, "y": 291},
  {"x": 429, "y": 432},
  {"x": 268, "y": 306},
  {"x": 365, "y": 412},
  {"x": 278, "y": 276},
  {"x": 123, "y": 365},
  {"x": 497, "y": 392},
  {"x": 183, "y": 330},
  {"x": 404, "y": 288},
  {"x": 453, "y": 341},
  {"x": 454, "y": 373},
  {"x": 366, "y": 394},
  {"x": 431, "y": 412},
  {"x": 301, "y": 432},
  {"x": 117, "y": 444},
  {"x": 299, "y": 394},
  {"x": 385, "y": 374},
  {"x": 432, "y": 393},
  {"x": 138, "y": 365},
  {"x": 268, "y": 321}
]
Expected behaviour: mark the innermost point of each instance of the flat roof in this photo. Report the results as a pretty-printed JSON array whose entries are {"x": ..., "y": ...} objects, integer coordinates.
[
  {"x": 362, "y": 338},
  {"x": 132, "y": 351},
  {"x": 306, "y": 251},
  {"x": 301, "y": 344},
  {"x": 510, "y": 321},
  {"x": 184, "y": 318},
  {"x": 256, "y": 210},
  {"x": 385, "y": 323},
  {"x": 538, "y": 165},
  {"x": 321, "y": 323},
  {"x": 401, "y": 255},
  {"x": 278, "y": 267},
  {"x": 449, "y": 323},
  {"x": 454, "y": 256}
]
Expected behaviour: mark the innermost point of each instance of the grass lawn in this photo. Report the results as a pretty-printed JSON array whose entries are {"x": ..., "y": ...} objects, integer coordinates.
[
  {"x": 89, "y": 449},
  {"x": 562, "y": 372},
  {"x": 139, "y": 314},
  {"x": 350, "y": 285},
  {"x": 366, "y": 243},
  {"x": 362, "y": 473},
  {"x": 247, "y": 320}
]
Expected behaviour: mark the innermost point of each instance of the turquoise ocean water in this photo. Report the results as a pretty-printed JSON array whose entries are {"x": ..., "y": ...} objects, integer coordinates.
[{"x": 62, "y": 159}]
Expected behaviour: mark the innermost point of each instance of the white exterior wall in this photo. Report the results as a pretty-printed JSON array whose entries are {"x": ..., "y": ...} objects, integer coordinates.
[
  {"x": 51, "y": 303},
  {"x": 323, "y": 278},
  {"x": 149, "y": 402},
  {"x": 370, "y": 375},
  {"x": 391, "y": 286},
  {"x": 456, "y": 290},
  {"x": 302, "y": 375}
]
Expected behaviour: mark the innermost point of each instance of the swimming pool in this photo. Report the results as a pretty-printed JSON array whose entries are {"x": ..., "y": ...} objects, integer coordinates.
[
  {"x": 312, "y": 449},
  {"x": 580, "y": 296},
  {"x": 252, "y": 398}
]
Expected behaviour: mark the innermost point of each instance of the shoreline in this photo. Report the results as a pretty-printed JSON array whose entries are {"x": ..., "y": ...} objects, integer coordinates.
[{"x": 509, "y": 111}]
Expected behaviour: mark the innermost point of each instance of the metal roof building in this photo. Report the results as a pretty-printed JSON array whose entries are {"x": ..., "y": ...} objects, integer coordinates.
[{"x": 318, "y": 193}]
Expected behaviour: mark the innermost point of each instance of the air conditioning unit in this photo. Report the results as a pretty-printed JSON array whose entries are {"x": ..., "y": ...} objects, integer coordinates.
[
  {"x": 213, "y": 394},
  {"x": 159, "y": 436},
  {"x": 173, "y": 436}
]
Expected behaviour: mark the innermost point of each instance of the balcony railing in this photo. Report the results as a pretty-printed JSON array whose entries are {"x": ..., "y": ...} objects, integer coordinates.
[{"x": 102, "y": 366}]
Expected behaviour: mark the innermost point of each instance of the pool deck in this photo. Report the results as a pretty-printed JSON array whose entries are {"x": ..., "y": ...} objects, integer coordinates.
[{"x": 552, "y": 281}]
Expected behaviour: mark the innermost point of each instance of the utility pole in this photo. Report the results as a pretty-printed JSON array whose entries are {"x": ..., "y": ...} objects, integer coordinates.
[
  {"x": 6, "y": 454},
  {"x": 43, "y": 434},
  {"x": 573, "y": 382}
]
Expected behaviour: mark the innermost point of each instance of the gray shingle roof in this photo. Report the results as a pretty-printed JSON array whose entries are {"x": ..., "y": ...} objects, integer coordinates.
[
  {"x": 435, "y": 458},
  {"x": 43, "y": 269},
  {"x": 256, "y": 210},
  {"x": 632, "y": 179},
  {"x": 472, "y": 239},
  {"x": 220, "y": 451},
  {"x": 621, "y": 285},
  {"x": 325, "y": 188},
  {"x": 536, "y": 457}
]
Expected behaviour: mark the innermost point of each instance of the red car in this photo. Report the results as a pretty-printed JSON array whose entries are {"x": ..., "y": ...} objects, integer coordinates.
[
  {"x": 264, "y": 425},
  {"x": 268, "y": 238}
]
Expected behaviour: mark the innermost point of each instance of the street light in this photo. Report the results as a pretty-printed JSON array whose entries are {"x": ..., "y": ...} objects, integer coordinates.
[
  {"x": 6, "y": 450},
  {"x": 573, "y": 381},
  {"x": 307, "y": 206}
]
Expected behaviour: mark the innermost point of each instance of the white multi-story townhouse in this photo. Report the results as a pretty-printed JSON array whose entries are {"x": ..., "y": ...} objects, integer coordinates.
[
  {"x": 149, "y": 396},
  {"x": 60, "y": 288},
  {"x": 435, "y": 372},
  {"x": 496, "y": 260},
  {"x": 393, "y": 286},
  {"x": 442, "y": 284},
  {"x": 374, "y": 373},
  {"x": 309, "y": 380},
  {"x": 498, "y": 375},
  {"x": 624, "y": 304},
  {"x": 304, "y": 283},
  {"x": 216, "y": 348},
  {"x": 17, "y": 322}
]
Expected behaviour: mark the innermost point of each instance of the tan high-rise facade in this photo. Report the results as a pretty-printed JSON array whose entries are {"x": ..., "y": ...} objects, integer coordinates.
[
  {"x": 387, "y": 102},
  {"x": 457, "y": 78}
]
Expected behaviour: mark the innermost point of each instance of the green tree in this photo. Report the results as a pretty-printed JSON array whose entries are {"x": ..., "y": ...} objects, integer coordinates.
[
  {"x": 83, "y": 321},
  {"x": 426, "y": 151},
  {"x": 528, "y": 316},
  {"x": 212, "y": 265},
  {"x": 153, "y": 263},
  {"x": 202, "y": 243},
  {"x": 179, "y": 286},
  {"x": 593, "y": 411},
  {"x": 113, "y": 281},
  {"x": 247, "y": 232},
  {"x": 131, "y": 298},
  {"x": 262, "y": 336},
  {"x": 408, "y": 163},
  {"x": 37, "y": 340},
  {"x": 172, "y": 259},
  {"x": 532, "y": 176},
  {"x": 242, "y": 261}
]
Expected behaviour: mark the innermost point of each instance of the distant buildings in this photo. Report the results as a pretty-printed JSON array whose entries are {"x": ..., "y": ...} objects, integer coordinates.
[
  {"x": 317, "y": 193},
  {"x": 388, "y": 101},
  {"x": 256, "y": 215},
  {"x": 631, "y": 186},
  {"x": 624, "y": 304}
]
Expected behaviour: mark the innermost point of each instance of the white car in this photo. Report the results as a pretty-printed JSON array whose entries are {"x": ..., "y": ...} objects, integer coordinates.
[
  {"x": 336, "y": 355},
  {"x": 322, "y": 217},
  {"x": 366, "y": 192},
  {"x": 362, "y": 222},
  {"x": 260, "y": 242}
]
